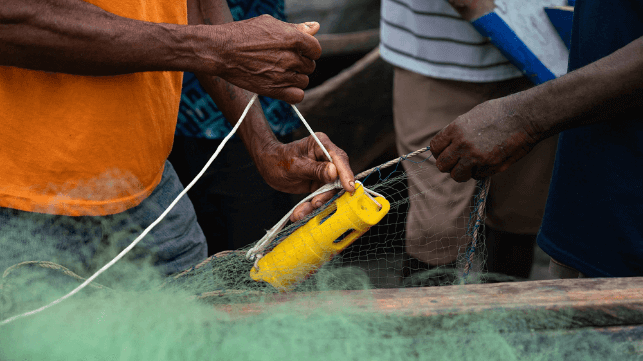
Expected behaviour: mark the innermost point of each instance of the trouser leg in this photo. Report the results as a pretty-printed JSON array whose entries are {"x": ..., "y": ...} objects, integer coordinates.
[
  {"x": 84, "y": 244},
  {"x": 437, "y": 220},
  {"x": 439, "y": 207}
]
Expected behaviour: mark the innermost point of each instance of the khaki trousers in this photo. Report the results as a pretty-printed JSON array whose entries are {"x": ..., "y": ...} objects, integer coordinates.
[{"x": 439, "y": 207}]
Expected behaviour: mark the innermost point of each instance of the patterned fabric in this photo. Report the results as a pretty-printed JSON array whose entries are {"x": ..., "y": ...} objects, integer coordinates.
[
  {"x": 199, "y": 117},
  {"x": 430, "y": 38}
]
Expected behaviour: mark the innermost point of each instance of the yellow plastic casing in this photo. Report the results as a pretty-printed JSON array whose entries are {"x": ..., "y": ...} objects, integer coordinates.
[{"x": 316, "y": 242}]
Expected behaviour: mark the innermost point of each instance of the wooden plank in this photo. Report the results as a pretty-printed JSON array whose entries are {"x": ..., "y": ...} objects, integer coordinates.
[
  {"x": 349, "y": 43},
  {"x": 573, "y": 302}
]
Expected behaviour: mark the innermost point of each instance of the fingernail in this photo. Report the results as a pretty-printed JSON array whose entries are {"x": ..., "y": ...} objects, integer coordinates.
[
  {"x": 329, "y": 173},
  {"x": 310, "y": 24},
  {"x": 318, "y": 204},
  {"x": 352, "y": 184}
]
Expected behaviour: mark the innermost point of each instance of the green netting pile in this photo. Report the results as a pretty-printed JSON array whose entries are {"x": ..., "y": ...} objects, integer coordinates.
[{"x": 210, "y": 312}]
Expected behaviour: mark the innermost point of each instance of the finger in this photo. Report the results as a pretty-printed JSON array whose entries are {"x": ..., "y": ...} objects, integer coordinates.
[
  {"x": 293, "y": 62},
  {"x": 304, "y": 65},
  {"x": 307, "y": 45},
  {"x": 311, "y": 27},
  {"x": 447, "y": 160},
  {"x": 462, "y": 171},
  {"x": 298, "y": 80},
  {"x": 291, "y": 95},
  {"x": 306, "y": 166},
  {"x": 481, "y": 172},
  {"x": 346, "y": 176},
  {"x": 301, "y": 211},
  {"x": 440, "y": 141},
  {"x": 340, "y": 166},
  {"x": 321, "y": 199}
]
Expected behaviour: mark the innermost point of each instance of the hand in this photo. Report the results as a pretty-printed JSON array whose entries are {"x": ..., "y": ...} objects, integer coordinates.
[
  {"x": 302, "y": 167},
  {"x": 269, "y": 57},
  {"x": 484, "y": 141},
  {"x": 472, "y": 9}
]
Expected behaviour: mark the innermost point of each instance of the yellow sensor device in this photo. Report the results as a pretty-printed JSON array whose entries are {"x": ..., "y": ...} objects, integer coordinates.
[{"x": 324, "y": 236}]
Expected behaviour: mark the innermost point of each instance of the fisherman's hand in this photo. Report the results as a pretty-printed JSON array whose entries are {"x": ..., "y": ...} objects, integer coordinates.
[
  {"x": 302, "y": 167},
  {"x": 267, "y": 56},
  {"x": 484, "y": 141}
]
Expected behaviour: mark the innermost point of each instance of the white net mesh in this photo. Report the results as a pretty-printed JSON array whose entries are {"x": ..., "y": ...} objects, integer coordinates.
[{"x": 322, "y": 251}]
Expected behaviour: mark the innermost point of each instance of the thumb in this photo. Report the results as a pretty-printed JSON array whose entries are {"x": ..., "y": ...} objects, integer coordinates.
[
  {"x": 310, "y": 28},
  {"x": 319, "y": 172}
]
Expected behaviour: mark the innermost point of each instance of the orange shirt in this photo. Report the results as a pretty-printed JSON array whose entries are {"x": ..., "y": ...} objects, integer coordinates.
[{"x": 83, "y": 145}]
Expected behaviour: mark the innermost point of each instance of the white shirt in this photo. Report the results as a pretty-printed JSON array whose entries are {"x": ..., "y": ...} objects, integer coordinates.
[{"x": 430, "y": 38}]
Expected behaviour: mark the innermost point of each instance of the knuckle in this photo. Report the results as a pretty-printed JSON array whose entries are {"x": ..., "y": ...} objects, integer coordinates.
[
  {"x": 297, "y": 40},
  {"x": 304, "y": 82},
  {"x": 278, "y": 93},
  {"x": 297, "y": 98},
  {"x": 341, "y": 153},
  {"x": 322, "y": 137},
  {"x": 320, "y": 171}
]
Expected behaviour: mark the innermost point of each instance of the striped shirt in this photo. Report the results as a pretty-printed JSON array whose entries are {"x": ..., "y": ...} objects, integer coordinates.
[{"x": 429, "y": 37}]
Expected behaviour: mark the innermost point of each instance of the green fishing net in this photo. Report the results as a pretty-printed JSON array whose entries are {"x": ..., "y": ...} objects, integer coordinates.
[{"x": 216, "y": 311}]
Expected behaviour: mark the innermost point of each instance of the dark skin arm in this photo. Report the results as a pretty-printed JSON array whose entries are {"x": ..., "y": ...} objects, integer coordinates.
[
  {"x": 472, "y": 9},
  {"x": 308, "y": 168},
  {"x": 263, "y": 55},
  {"x": 497, "y": 133}
]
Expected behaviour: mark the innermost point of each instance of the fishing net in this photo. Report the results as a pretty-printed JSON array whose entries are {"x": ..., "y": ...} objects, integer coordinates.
[
  {"x": 246, "y": 305},
  {"x": 212, "y": 311},
  {"x": 374, "y": 260}
]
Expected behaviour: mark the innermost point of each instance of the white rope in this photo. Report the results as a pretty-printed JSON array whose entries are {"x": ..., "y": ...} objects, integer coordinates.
[
  {"x": 372, "y": 192},
  {"x": 312, "y": 133},
  {"x": 256, "y": 252},
  {"x": 253, "y": 253},
  {"x": 368, "y": 194},
  {"x": 145, "y": 232}
]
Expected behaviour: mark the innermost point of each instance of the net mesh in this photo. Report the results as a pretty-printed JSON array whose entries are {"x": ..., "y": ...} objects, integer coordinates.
[
  {"x": 133, "y": 313},
  {"x": 375, "y": 259}
]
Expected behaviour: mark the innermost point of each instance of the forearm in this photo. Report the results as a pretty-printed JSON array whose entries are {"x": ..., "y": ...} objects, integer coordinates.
[
  {"x": 75, "y": 37},
  {"x": 230, "y": 99},
  {"x": 600, "y": 91},
  {"x": 255, "y": 132}
]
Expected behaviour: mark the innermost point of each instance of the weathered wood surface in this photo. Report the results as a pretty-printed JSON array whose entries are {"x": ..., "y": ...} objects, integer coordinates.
[
  {"x": 354, "y": 109},
  {"x": 349, "y": 43},
  {"x": 573, "y": 303},
  {"x": 335, "y": 16}
]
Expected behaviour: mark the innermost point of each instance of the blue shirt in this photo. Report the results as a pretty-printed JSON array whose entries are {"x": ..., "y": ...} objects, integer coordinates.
[
  {"x": 199, "y": 117},
  {"x": 594, "y": 215}
]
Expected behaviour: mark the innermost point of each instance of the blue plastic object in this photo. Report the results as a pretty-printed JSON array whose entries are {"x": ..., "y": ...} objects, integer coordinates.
[
  {"x": 562, "y": 18},
  {"x": 505, "y": 39}
]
